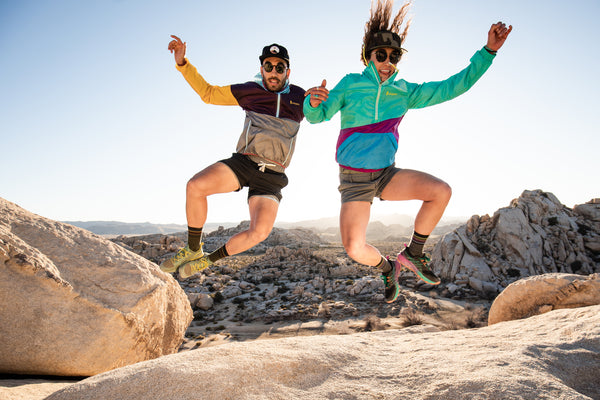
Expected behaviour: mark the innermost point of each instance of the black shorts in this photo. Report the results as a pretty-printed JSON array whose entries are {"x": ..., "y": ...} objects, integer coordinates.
[{"x": 267, "y": 184}]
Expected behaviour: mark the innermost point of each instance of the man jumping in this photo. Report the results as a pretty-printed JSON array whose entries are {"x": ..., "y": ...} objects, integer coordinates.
[{"x": 273, "y": 113}]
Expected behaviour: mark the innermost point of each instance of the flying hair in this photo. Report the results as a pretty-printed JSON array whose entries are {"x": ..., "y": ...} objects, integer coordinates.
[{"x": 381, "y": 13}]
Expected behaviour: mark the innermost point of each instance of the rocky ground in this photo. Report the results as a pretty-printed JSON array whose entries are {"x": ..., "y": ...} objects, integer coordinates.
[
  {"x": 301, "y": 280},
  {"x": 296, "y": 283}
]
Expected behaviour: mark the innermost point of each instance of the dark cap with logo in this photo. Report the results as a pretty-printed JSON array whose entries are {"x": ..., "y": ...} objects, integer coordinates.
[
  {"x": 384, "y": 39},
  {"x": 275, "y": 50}
]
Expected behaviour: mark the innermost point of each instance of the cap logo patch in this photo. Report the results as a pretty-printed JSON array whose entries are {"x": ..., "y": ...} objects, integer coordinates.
[
  {"x": 388, "y": 38},
  {"x": 274, "y": 50}
]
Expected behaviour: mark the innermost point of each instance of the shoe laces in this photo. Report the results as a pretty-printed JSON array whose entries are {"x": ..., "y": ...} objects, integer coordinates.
[
  {"x": 182, "y": 254},
  {"x": 422, "y": 260},
  {"x": 200, "y": 264},
  {"x": 186, "y": 251},
  {"x": 387, "y": 280}
]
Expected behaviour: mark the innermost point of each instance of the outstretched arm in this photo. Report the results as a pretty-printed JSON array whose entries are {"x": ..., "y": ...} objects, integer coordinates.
[
  {"x": 210, "y": 94},
  {"x": 497, "y": 35},
  {"x": 177, "y": 48},
  {"x": 320, "y": 104}
]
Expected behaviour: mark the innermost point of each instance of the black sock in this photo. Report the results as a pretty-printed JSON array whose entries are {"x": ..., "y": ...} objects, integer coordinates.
[
  {"x": 194, "y": 237},
  {"x": 415, "y": 248},
  {"x": 218, "y": 254},
  {"x": 384, "y": 265}
]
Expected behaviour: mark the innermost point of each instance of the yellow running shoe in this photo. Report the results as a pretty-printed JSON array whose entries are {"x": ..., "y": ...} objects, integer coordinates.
[
  {"x": 184, "y": 255},
  {"x": 193, "y": 267}
]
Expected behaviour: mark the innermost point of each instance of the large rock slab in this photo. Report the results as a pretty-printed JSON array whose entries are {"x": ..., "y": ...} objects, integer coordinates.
[
  {"x": 75, "y": 304},
  {"x": 550, "y": 356},
  {"x": 542, "y": 293}
]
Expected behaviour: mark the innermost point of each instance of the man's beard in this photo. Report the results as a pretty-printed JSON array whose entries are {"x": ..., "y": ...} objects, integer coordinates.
[{"x": 278, "y": 87}]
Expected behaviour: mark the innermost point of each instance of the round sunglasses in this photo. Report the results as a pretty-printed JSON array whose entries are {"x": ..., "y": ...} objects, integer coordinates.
[
  {"x": 280, "y": 67},
  {"x": 381, "y": 55}
]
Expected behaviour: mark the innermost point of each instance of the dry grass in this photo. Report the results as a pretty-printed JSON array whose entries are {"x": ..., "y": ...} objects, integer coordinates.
[
  {"x": 412, "y": 317},
  {"x": 476, "y": 318},
  {"x": 373, "y": 323}
]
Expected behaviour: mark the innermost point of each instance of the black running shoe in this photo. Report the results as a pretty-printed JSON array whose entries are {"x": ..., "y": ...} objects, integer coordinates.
[
  {"x": 418, "y": 265},
  {"x": 390, "y": 280}
]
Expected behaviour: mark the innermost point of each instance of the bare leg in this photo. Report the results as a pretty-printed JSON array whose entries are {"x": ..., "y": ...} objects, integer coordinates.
[
  {"x": 263, "y": 211},
  {"x": 354, "y": 218},
  {"x": 217, "y": 178},
  {"x": 415, "y": 185}
]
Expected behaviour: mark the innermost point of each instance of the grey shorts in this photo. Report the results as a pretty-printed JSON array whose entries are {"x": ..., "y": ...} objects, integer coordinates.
[{"x": 364, "y": 186}]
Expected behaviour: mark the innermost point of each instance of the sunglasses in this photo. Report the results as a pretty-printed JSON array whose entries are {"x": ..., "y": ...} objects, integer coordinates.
[
  {"x": 280, "y": 68},
  {"x": 381, "y": 55}
]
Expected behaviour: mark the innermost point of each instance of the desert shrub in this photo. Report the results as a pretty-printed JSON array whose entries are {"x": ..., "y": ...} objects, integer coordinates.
[
  {"x": 513, "y": 273},
  {"x": 218, "y": 297},
  {"x": 576, "y": 266},
  {"x": 476, "y": 318},
  {"x": 483, "y": 247},
  {"x": 373, "y": 323},
  {"x": 452, "y": 326},
  {"x": 412, "y": 317}
]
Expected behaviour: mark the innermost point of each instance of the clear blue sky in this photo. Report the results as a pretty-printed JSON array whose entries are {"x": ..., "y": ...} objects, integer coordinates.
[{"x": 97, "y": 124}]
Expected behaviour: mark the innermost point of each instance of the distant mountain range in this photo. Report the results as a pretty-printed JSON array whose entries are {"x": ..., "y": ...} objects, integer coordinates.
[
  {"x": 401, "y": 224},
  {"x": 126, "y": 228}
]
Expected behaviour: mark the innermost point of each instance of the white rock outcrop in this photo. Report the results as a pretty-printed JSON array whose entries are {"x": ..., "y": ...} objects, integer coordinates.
[
  {"x": 75, "y": 304},
  {"x": 535, "y": 235}
]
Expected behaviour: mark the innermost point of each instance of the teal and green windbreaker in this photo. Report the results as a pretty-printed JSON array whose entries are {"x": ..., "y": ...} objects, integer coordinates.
[{"x": 371, "y": 111}]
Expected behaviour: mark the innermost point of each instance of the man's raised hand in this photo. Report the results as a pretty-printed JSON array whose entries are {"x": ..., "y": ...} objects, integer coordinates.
[{"x": 177, "y": 48}]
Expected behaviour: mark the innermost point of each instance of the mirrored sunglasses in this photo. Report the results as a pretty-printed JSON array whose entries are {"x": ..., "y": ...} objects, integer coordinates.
[
  {"x": 381, "y": 55},
  {"x": 280, "y": 67}
]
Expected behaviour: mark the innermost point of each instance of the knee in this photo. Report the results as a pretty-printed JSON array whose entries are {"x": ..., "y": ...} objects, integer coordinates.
[
  {"x": 444, "y": 192},
  {"x": 195, "y": 188},
  {"x": 353, "y": 248},
  {"x": 259, "y": 234}
]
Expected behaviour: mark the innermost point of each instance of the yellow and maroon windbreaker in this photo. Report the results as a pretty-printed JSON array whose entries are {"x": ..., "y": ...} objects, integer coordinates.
[{"x": 272, "y": 118}]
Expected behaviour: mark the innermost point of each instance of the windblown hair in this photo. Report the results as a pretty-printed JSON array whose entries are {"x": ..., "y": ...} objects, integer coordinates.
[{"x": 380, "y": 21}]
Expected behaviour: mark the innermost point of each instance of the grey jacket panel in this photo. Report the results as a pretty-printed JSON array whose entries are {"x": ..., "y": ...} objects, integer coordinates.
[{"x": 269, "y": 139}]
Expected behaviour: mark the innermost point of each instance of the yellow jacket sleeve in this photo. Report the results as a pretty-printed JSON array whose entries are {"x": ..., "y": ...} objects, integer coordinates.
[{"x": 210, "y": 94}]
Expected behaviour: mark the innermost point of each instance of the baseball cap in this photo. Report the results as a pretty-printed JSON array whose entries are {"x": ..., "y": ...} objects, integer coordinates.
[
  {"x": 384, "y": 39},
  {"x": 275, "y": 50}
]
